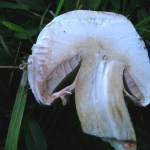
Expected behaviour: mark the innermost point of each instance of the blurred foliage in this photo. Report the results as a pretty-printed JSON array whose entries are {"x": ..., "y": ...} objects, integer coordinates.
[{"x": 56, "y": 127}]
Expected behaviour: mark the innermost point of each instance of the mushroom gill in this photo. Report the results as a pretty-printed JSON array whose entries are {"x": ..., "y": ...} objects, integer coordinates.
[
  {"x": 56, "y": 81},
  {"x": 131, "y": 88}
]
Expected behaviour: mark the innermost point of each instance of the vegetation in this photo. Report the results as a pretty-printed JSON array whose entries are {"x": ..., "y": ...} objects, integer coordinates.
[{"x": 37, "y": 127}]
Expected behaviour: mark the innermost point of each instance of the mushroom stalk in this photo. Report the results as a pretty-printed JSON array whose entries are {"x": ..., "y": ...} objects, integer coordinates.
[{"x": 99, "y": 101}]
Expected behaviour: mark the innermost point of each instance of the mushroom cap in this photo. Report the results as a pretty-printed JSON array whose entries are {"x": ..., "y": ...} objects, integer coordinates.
[{"x": 81, "y": 32}]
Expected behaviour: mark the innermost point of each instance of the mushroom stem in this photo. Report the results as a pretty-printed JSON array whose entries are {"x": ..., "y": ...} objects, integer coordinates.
[{"x": 100, "y": 103}]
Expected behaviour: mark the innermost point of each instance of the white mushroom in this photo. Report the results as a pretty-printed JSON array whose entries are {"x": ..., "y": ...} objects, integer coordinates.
[{"x": 109, "y": 47}]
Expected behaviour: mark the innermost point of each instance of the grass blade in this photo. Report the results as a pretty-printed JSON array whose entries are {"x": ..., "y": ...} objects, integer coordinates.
[
  {"x": 124, "y": 3},
  {"x": 6, "y": 57},
  {"x": 17, "y": 114},
  {"x": 144, "y": 30},
  {"x": 45, "y": 14},
  {"x": 34, "y": 136},
  {"x": 104, "y": 8},
  {"x": 13, "y": 5},
  {"x": 132, "y": 7},
  {"x": 93, "y": 4},
  {"x": 38, "y": 5},
  {"x": 59, "y": 7},
  {"x": 4, "y": 46},
  {"x": 143, "y": 22},
  {"x": 12, "y": 73},
  {"x": 15, "y": 27}
]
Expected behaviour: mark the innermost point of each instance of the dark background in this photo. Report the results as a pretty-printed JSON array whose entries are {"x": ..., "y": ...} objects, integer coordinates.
[{"x": 59, "y": 124}]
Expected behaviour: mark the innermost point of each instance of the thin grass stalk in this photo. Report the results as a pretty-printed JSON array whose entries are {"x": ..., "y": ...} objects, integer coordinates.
[{"x": 17, "y": 114}]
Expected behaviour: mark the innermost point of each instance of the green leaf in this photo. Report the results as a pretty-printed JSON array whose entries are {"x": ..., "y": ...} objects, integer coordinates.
[
  {"x": 31, "y": 27},
  {"x": 59, "y": 7},
  {"x": 92, "y": 4},
  {"x": 13, "y": 5},
  {"x": 145, "y": 34},
  {"x": 4, "y": 46},
  {"x": 143, "y": 30},
  {"x": 143, "y": 25},
  {"x": 34, "y": 136},
  {"x": 124, "y": 3},
  {"x": 5, "y": 55},
  {"x": 143, "y": 18},
  {"x": 17, "y": 114},
  {"x": 38, "y": 5},
  {"x": 145, "y": 21},
  {"x": 132, "y": 7},
  {"x": 5, "y": 59},
  {"x": 45, "y": 13},
  {"x": 148, "y": 43},
  {"x": 4, "y": 29},
  {"x": 15, "y": 27},
  {"x": 104, "y": 4},
  {"x": 116, "y": 5}
]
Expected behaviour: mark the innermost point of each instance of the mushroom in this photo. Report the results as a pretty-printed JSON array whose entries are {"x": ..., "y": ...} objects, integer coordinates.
[{"x": 114, "y": 58}]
